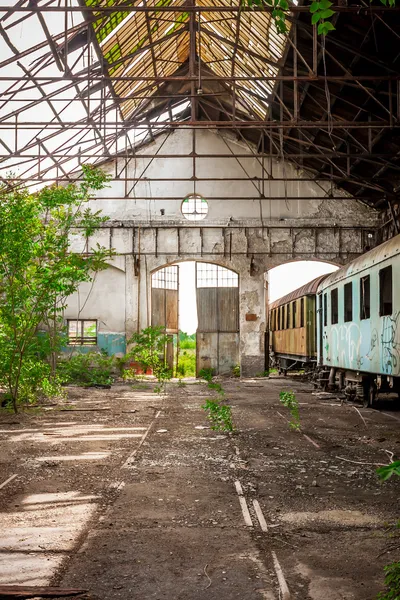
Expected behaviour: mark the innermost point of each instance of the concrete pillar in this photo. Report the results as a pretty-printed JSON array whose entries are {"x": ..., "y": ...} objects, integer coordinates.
[{"x": 252, "y": 324}]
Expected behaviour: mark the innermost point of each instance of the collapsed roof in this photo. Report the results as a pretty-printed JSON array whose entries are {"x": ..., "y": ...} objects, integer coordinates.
[{"x": 85, "y": 81}]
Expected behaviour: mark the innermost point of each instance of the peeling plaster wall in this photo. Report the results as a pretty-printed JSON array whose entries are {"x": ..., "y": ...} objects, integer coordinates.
[{"x": 248, "y": 236}]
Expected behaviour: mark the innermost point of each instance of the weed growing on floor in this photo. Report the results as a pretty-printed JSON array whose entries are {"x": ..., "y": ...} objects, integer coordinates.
[
  {"x": 265, "y": 373},
  {"x": 392, "y": 571},
  {"x": 181, "y": 383},
  {"x": 217, "y": 387},
  {"x": 236, "y": 370},
  {"x": 392, "y": 582},
  {"x": 206, "y": 374},
  {"x": 289, "y": 400},
  {"x": 219, "y": 415}
]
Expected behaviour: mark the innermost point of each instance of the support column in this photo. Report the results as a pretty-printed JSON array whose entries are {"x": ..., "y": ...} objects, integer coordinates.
[{"x": 252, "y": 324}]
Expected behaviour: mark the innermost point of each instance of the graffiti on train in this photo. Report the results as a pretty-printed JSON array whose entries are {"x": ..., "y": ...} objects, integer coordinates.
[
  {"x": 358, "y": 346},
  {"x": 390, "y": 344}
]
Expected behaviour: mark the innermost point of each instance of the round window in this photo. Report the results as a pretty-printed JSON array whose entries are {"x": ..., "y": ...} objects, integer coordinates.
[{"x": 194, "y": 208}]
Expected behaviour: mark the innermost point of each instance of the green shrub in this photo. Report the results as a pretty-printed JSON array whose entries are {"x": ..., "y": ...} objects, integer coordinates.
[
  {"x": 188, "y": 344},
  {"x": 236, "y": 371},
  {"x": 289, "y": 400},
  {"x": 206, "y": 374},
  {"x": 392, "y": 582},
  {"x": 93, "y": 368},
  {"x": 186, "y": 364},
  {"x": 219, "y": 415}
]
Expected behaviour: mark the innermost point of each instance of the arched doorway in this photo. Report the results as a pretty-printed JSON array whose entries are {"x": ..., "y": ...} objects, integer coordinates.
[
  {"x": 295, "y": 314},
  {"x": 213, "y": 303}
]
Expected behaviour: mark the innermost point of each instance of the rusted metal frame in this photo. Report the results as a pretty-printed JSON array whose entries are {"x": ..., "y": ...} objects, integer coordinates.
[
  {"x": 11, "y": 12},
  {"x": 253, "y": 34},
  {"x": 214, "y": 124},
  {"x": 240, "y": 98},
  {"x": 192, "y": 60},
  {"x": 154, "y": 44},
  {"x": 50, "y": 41},
  {"x": 185, "y": 8},
  {"x": 48, "y": 80},
  {"x": 336, "y": 42},
  {"x": 248, "y": 198},
  {"x": 28, "y": 73},
  {"x": 49, "y": 154},
  {"x": 249, "y": 178},
  {"x": 137, "y": 179},
  {"x": 322, "y": 177},
  {"x": 335, "y": 97},
  {"x": 364, "y": 88},
  {"x": 239, "y": 46},
  {"x": 236, "y": 42},
  {"x": 260, "y": 155},
  {"x": 8, "y": 41},
  {"x": 382, "y": 20},
  {"x": 296, "y": 52},
  {"x": 153, "y": 56}
]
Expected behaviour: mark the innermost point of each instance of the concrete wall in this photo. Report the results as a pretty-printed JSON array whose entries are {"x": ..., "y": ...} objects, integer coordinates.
[{"x": 249, "y": 235}]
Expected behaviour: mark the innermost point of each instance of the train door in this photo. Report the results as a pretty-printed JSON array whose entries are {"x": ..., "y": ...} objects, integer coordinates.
[
  {"x": 319, "y": 330},
  {"x": 165, "y": 308},
  {"x": 217, "y": 295}
]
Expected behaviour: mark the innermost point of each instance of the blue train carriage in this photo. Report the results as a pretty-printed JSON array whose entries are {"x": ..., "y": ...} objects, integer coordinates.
[
  {"x": 357, "y": 324},
  {"x": 293, "y": 328}
]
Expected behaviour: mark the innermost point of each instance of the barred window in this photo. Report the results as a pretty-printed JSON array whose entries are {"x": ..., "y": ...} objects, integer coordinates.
[{"x": 82, "y": 332}]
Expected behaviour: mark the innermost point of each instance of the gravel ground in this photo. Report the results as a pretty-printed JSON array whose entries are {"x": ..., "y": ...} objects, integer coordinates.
[{"x": 130, "y": 495}]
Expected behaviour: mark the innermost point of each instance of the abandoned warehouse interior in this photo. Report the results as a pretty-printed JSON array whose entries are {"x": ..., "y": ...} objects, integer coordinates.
[{"x": 234, "y": 138}]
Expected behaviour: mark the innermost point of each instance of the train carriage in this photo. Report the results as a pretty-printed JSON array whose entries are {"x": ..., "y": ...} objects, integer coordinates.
[
  {"x": 357, "y": 325},
  {"x": 293, "y": 327}
]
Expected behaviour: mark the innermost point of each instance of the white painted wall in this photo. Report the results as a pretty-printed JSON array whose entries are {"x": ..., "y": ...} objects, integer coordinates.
[{"x": 248, "y": 236}]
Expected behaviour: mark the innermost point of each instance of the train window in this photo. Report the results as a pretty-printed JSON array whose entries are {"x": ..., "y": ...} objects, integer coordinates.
[
  {"x": 385, "y": 292},
  {"x": 294, "y": 310},
  {"x": 348, "y": 302},
  {"x": 325, "y": 310},
  {"x": 365, "y": 298},
  {"x": 288, "y": 312},
  {"x": 302, "y": 312},
  {"x": 334, "y": 307}
]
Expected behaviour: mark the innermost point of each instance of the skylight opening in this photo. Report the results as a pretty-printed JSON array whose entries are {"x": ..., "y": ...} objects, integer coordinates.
[
  {"x": 118, "y": 27},
  {"x": 129, "y": 67}
]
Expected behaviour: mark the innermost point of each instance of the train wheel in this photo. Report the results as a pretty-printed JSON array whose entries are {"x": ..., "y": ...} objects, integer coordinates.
[{"x": 369, "y": 395}]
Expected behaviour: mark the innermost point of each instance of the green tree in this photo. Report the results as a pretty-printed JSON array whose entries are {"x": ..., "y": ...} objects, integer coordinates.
[{"x": 38, "y": 270}]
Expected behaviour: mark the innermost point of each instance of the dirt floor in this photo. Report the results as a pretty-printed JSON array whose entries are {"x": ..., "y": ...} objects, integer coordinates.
[{"x": 130, "y": 495}]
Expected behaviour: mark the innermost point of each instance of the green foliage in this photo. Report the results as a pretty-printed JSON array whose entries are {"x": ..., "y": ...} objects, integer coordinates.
[
  {"x": 217, "y": 387},
  {"x": 149, "y": 351},
  {"x": 266, "y": 373},
  {"x": 186, "y": 364},
  {"x": 386, "y": 472},
  {"x": 187, "y": 342},
  {"x": 392, "y": 582},
  {"x": 93, "y": 368},
  {"x": 320, "y": 13},
  {"x": 236, "y": 371},
  {"x": 289, "y": 400},
  {"x": 38, "y": 271},
  {"x": 206, "y": 374},
  {"x": 219, "y": 415}
]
